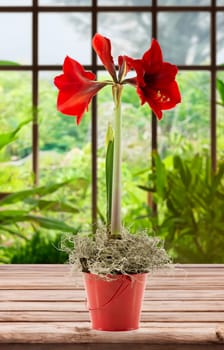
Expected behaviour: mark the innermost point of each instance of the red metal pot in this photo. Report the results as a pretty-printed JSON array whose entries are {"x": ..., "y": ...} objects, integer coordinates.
[{"x": 115, "y": 304}]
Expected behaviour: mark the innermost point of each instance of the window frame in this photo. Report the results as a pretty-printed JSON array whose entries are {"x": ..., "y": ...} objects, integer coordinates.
[{"x": 94, "y": 10}]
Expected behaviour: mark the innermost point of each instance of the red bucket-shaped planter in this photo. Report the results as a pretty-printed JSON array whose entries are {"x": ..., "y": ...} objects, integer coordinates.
[{"x": 115, "y": 304}]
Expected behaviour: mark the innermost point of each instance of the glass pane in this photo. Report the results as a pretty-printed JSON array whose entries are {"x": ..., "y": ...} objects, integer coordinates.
[
  {"x": 130, "y": 33},
  {"x": 184, "y": 2},
  {"x": 15, "y": 107},
  {"x": 136, "y": 123},
  {"x": 64, "y": 2},
  {"x": 63, "y": 34},
  {"x": 185, "y": 37},
  {"x": 17, "y": 44},
  {"x": 15, "y": 2},
  {"x": 185, "y": 129},
  {"x": 220, "y": 38},
  {"x": 124, "y": 2},
  {"x": 65, "y": 150},
  {"x": 220, "y": 115},
  {"x": 220, "y": 2}
]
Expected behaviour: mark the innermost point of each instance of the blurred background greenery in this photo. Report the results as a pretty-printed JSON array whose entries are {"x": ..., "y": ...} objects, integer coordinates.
[{"x": 189, "y": 198}]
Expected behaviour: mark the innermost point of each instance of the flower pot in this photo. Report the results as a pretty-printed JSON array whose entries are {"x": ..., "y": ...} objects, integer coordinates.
[{"x": 115, "y": 303}]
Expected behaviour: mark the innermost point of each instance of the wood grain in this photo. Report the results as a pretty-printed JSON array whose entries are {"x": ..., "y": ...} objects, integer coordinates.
[{"x": 44, "y": 307}]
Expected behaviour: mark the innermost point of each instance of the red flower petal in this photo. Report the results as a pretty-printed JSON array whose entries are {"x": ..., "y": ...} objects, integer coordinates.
[
  {"x": 155, "y": 80},
  {"x": 102, "y": 47},
  {"x": 153, "y": 58},
  {"x": 76, "y": 89}
]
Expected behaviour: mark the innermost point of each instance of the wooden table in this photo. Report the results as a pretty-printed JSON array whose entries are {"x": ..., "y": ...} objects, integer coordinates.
[{"x": 43, "y": 307}]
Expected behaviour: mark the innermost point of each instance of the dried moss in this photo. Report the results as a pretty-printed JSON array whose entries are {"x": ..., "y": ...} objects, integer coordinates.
[{"x": 133, "y": 253}]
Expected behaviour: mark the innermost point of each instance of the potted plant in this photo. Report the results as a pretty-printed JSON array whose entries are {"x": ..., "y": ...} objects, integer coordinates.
[{"x": 115, "y": 263}]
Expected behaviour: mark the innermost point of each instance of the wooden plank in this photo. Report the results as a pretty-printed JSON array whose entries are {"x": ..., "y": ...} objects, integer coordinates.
[
  {"x": 144, "y": 325},
  {"x": 46, "y": 305},
  {"x": 65, "y": 269},
  {"x": 158, "y": 306},
  {"x": 77, "y": 294},
  {"x": 66, "y": 266},
  {"x": 37, "y": 333},
  {"x": 67, "y": 283},
  {"x": 79, "y": 316},
  {"x": 79, "y": 279}
]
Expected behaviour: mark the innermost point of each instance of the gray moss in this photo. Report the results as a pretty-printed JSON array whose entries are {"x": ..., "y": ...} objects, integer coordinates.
[{"x": 133, "y": 253}]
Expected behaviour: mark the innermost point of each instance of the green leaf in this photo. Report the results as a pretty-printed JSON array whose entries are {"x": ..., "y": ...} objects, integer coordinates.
[
  {"x": 102, "y": 218},
  {"x": 11, "y": 217},
  {"x": 109, "y": 178},
  {"x": 12, "y": 232},
  {"x": 220, "y": 88},
  {"x": 11, "y": 213},
  {"x": 9, "y": 63},
  {"x": 49, "y": 223},
  {"x": 24, "y": 195},
  {"x": 183, "y": 171},
  {"x": 147, "y": 189},
  {"x": 9, "y": 137}
]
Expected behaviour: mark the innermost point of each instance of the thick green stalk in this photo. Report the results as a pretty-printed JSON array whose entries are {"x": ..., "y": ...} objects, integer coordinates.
[
  {"x": 109, "y": 173},
  {"x": 116, "y": 194}
]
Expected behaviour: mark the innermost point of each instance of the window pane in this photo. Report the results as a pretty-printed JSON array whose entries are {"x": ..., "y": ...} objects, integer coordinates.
[
  {"x": 64, "y": 2},
  {"x": 64, "y": 34},
  {"x": 184, "y": 2},
  {"x": 185, "y": 37},
  {"x": 136, "y": 142},
  {"x": 17, "y": 44},
  {"x": 15, "y": 107},
  {"x": 220, "y": 2},
  {"x": 65, "y": 150},
  {"x": 15, "y": 2},
  {"x": 130, "y": 33},
  {"x": 124, "y": 2},
  {"x": 185, "y": 129},
  {"x": 220, "y": 38},
  {"x": 220, "y": 115}
]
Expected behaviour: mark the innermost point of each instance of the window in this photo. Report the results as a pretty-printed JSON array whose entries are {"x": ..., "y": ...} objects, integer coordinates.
[{"x": 41, "y": 33}]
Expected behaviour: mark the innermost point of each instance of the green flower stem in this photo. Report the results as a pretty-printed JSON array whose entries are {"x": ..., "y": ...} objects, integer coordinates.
[{"x": 116, "y": 194}]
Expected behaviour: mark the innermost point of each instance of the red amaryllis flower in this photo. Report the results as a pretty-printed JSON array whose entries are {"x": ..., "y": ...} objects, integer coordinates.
[
  {"x": 155, "y": 80},
  {"x": 76, "y": 89},
  {"x": 102, "y": 47}
]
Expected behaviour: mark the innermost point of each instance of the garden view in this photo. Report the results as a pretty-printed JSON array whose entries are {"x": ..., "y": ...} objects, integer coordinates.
[
  {"x": 175, "y": 196},
  {"x": 189, "y": 198}
]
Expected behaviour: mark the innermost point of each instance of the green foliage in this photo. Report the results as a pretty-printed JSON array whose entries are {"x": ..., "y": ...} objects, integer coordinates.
[
  {"x": 220, "y": 88},
  {"x": 40, "y": 249},
  {"x": 65, "y": 153},
  {"x": 9, "y": 137},
  {"x": 186, "y": 128},
  {"x": 61, "y": 133},
  {"x": 190, "y": 201},
  {"x": 31, "y": 206},
  {"x": 23, "y": 207},
  {"x": 8, "y": 63}
]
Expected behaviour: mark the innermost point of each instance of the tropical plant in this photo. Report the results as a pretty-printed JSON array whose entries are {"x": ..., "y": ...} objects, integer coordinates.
[
  {"x": 39, "y": 249},
  {"x": 190, "y": 200},
  {"x": 19, "y": 208}
]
